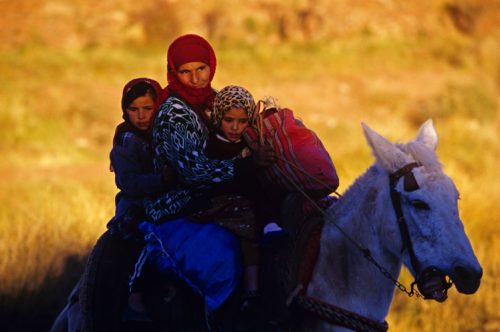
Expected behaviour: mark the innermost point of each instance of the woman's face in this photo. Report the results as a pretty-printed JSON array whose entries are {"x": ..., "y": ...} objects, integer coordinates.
[
  {"x": 140, "y": 111},
  {"x": 234, "y": 122},
  {"x": 194, "y": 74}
]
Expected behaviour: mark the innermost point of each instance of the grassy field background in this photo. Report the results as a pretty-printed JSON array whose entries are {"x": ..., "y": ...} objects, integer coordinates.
[{"x": 64, "y": 68}]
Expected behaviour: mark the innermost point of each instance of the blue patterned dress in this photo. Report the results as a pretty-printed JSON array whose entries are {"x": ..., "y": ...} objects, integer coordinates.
[{"x": 179, "y": 140}]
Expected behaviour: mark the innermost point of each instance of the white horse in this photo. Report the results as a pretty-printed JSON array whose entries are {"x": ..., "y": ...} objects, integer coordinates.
[{"x": 344, "y": 277}]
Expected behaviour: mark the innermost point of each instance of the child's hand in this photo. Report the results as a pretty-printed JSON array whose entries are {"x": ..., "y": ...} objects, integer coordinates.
[
  {"x": 168, "y": 178},
  {"x": 263, "y": 156}
]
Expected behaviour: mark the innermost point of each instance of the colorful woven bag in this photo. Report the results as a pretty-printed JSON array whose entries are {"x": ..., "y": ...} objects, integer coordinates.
[{"x": 303, "y": 161}]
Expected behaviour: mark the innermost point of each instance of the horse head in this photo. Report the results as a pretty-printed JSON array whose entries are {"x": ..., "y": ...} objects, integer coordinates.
[{"x": 437, "y": 245}]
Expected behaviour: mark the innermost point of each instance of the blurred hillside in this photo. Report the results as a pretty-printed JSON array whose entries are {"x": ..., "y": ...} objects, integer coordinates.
[
  {"x": 69, "y": 24},
  {"x": 390, "y": 64},
  {"x": 395, "y": 62}
]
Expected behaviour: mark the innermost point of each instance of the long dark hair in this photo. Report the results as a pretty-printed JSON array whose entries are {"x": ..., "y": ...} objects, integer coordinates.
[{"x": 139, "y": 90}]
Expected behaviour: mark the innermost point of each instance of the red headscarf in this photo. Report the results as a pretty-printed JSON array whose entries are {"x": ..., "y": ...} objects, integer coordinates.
[
  {"x": 185, "y": 49},
  {"x": 126, "y": 126}
]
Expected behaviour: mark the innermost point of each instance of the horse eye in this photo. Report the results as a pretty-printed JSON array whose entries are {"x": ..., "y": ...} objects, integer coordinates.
[{"x": 418, "y": 204}]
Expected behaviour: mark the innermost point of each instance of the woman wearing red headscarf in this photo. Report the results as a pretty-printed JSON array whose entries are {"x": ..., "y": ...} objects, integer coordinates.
[{"x": 180, "y": 133}]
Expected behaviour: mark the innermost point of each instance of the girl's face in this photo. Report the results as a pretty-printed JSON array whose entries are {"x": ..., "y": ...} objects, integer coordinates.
[
  {"x": 194, "y": 74},
  {"x": 140, "y": 111},
  {"x": 234, "y": 122}
]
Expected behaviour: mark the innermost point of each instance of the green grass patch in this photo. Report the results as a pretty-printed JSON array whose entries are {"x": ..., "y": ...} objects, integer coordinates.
[{"x": 472, "y": 102}]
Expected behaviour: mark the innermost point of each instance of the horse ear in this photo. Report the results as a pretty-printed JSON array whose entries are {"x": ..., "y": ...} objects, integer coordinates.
[
  {"x": 387, "y": 154},
  {"x": 427, "y": 134}
]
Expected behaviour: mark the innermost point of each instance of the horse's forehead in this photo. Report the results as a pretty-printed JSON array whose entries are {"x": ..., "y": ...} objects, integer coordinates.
[{"x": 434, "y": 182}]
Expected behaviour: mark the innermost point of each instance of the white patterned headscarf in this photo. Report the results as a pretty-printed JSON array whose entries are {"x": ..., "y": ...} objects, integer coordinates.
[{"x": 230, "y": 97}]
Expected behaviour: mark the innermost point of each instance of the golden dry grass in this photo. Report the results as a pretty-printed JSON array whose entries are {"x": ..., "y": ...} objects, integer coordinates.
[{"x": 61, "y": 104}]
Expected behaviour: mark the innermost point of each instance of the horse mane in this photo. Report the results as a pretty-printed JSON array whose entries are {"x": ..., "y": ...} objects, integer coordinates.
[{"x": 422, "y": 154}]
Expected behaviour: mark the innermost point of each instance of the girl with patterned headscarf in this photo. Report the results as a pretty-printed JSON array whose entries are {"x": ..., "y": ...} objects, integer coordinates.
[{"x": 232, "y": 113}]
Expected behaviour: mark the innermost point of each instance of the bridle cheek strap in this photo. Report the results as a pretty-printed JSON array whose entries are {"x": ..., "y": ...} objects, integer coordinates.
[{"x": 410, "y": 184}]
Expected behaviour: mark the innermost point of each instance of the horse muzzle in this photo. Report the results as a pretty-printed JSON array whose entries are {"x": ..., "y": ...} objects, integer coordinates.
[
  {"x": 466, "y": 280},
  {"x": 432, "y": 284}
]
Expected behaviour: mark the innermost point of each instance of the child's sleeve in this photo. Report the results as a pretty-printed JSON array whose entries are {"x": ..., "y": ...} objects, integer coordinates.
[
  {"x": 126, "y": 163},
  {"x": 179, "y": 139}
]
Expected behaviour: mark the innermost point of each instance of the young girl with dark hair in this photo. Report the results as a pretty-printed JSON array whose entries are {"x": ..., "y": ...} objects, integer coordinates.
[
  {"x": 132, "y": 164},
  {"x": 131, "y": 158}
]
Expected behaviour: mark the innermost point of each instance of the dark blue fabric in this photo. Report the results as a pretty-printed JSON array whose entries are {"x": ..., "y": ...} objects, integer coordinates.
[
  {"x": 206, "y": 256},
  {"x": 131, "y": 159}
]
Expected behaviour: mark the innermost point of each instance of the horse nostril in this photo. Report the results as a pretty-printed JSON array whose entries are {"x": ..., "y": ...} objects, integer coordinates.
[{"x": 463, "y": 273}]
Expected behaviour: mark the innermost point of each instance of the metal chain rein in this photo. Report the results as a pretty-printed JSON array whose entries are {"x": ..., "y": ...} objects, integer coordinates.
[{"x": 366, "y": 252}]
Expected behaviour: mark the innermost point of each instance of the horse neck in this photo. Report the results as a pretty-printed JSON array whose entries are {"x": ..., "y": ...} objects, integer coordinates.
[{"x": 343, "y": 276}]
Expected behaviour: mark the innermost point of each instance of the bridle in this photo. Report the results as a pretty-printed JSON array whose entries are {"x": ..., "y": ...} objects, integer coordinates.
[{"x": 410, "y": 184}]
